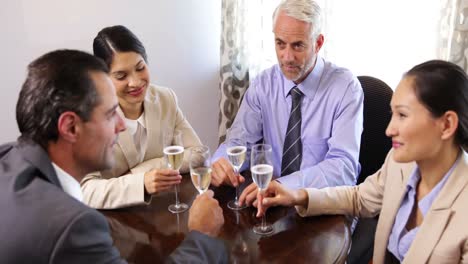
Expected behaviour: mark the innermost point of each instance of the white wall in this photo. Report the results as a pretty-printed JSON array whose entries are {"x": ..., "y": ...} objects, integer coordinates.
[{"x": 181, "y": 38}]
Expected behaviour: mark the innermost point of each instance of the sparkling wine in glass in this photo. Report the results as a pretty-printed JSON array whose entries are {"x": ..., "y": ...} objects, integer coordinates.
[
  {"x": 174, "y": 154},
  {"x": 200, "y": 168},
  {"x": 236, "y": 155},
  {"x": 262, "y": 171}
]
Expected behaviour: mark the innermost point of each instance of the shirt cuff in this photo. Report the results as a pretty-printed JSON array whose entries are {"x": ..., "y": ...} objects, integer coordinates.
[
  {"x": 292, "y": 181},
  {"x": 140, "y": 181}
]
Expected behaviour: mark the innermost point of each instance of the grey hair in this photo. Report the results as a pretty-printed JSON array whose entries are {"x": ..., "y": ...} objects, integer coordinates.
[{"x": 305, "y": 10}]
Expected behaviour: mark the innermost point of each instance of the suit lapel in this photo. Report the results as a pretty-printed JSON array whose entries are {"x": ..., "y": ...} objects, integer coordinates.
[
  {"x": 127, "y": 145},
  {"x": 39, "y": 158},
  {"x": 436, "y": 219}
]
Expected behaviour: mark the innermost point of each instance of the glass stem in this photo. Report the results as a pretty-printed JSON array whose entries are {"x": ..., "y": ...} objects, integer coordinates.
[
  {"x": 264, "y": 221},
  {"x": 176, "y": 195},
  {"x": 237, "y": 187}
]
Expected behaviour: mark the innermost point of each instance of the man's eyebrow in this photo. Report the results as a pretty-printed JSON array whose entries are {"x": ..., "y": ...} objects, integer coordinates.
[{"x": 110, "y": 111}]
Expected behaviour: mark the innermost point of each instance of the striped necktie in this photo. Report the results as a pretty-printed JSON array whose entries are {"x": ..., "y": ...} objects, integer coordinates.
[{"x": 292, "y": 148}]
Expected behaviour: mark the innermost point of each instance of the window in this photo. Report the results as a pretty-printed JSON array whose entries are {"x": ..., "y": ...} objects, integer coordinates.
[{"x": 382, "y": 39}]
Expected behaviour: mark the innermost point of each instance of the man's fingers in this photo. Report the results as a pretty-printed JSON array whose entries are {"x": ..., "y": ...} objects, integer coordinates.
[
  {"x": 230, "y": 175},
  {"x": 215, "y": 181},
  {"x": 246, "y": 191},
  {"x": 209, "y": 193},
  {"x": 218, "y": 173},
  {"x": 251, "y": 197},
  {"x": 241, "y": 178}
]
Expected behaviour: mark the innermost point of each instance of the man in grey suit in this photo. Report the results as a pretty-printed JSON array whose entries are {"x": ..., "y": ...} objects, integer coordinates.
[{"x": 66, "y": 113}]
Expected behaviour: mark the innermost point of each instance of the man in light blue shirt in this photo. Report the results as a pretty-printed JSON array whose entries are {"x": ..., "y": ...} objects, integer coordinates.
[{"x": 330, "y": 118}]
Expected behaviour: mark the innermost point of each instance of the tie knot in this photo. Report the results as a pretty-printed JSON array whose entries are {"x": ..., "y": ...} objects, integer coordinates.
[{"x": 296, "y": 94}]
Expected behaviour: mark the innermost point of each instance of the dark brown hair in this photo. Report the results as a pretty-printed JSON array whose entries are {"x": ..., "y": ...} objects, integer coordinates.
[
  {"x": 116, "y": 39},
  {"x": 442, "y": 86},
  {"x": 56, "y": 82}
]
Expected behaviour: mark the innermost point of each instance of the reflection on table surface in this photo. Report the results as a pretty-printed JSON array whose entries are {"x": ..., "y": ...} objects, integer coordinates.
[{"x": 146, "y": 234}]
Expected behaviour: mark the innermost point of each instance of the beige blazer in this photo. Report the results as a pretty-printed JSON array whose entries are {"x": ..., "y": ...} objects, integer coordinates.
[
  {"x": 123, "y": 185},
  {"x": 443, "y": 235}
]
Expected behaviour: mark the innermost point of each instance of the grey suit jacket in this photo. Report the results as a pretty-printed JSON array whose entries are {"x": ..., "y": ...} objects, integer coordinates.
[
  {"x": 443, "y": 234},
  {"x": 40, "y": 223}
]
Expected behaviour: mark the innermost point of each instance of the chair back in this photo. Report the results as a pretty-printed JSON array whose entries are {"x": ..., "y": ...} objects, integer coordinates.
[
  {"x": 374, "y": 148},
  {"x": 374, "y": 143}
]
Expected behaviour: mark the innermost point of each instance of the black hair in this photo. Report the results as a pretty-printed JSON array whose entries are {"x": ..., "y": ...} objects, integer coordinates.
[
  {"x": 116, "y": 39},
  {"x": 442, "y": 86},
  {"x": 56, "y": 82}
]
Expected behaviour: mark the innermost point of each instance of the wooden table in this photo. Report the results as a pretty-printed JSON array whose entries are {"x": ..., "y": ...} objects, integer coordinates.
[{"x": 146, "y": 234}]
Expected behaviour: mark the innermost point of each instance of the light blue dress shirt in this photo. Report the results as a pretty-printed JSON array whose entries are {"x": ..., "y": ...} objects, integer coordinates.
[
  {"x": 401, "y": 239},
  {"x": 332, "y": 120}
]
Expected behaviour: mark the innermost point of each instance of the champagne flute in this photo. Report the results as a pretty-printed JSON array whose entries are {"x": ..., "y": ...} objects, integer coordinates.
[
  {"x": 236, "y": 153},
  {"x": 174, "y": 154},
  {"x": 200, "y": 168},
  {"x": 262, "y": 171}
]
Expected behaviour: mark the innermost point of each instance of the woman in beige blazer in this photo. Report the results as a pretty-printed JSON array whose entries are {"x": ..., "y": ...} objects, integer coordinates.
[
  {"x": 421, "y": 191},
  {"x": 149, "y": 112}
]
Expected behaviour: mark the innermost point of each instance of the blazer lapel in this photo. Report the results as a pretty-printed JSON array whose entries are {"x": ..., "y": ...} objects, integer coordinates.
[
  {"x": 436, "y": 219},
  {"x": 427, "y": 236},
  {"x": 127, "y": 145},
  {"x": 154, "y": 136},
  {"x": 395, "y": 191}
]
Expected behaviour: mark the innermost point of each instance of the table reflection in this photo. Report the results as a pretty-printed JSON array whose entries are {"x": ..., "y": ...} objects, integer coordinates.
[{"x": 148, "y": 234}]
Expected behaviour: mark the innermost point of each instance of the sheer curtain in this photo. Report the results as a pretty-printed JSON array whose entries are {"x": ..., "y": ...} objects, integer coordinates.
[
  {"x": 453, "y": 38},
  {"x": 382, "y": 39}
]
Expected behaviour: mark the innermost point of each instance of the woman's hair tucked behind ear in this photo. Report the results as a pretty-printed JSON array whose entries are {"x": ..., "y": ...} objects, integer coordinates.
[{"x": 443, "y": 86}]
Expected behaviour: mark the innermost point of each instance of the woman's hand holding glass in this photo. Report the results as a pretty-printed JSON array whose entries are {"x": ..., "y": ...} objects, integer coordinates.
[
  {"x": 159, "y": 180},
  {"x": 277, "y": 194}
]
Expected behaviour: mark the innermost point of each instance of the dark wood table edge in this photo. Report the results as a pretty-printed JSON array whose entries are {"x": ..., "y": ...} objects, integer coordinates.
[{"x": 343, "y": 255}]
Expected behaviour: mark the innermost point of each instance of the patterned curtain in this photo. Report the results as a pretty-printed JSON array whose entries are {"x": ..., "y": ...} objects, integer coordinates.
[
  {"x": 234, "y": 74},
  {"x": 453, "y": 39},
  {"x": 247, "y": 48}
]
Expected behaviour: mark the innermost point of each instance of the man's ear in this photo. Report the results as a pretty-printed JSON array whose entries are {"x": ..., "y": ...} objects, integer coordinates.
[
  {"x": 319, "y": 43},
  {"x": 68, "y": 126}
]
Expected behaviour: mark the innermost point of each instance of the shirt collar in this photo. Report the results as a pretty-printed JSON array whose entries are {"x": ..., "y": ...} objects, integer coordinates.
[
  {"x": 69, "y": 184},
  {"x": 425, "y": 203},
  {"x": 132, "y": 124},
  {"x": 310, "y": 84},
  {"x": 416, "y": 175},
  {"x": 141, "y": 120}
]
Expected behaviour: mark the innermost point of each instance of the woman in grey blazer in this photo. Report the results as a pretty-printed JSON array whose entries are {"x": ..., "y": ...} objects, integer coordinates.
[
  {"x": 421, "y": 191},
  {"x": 150, "y": 112}
]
